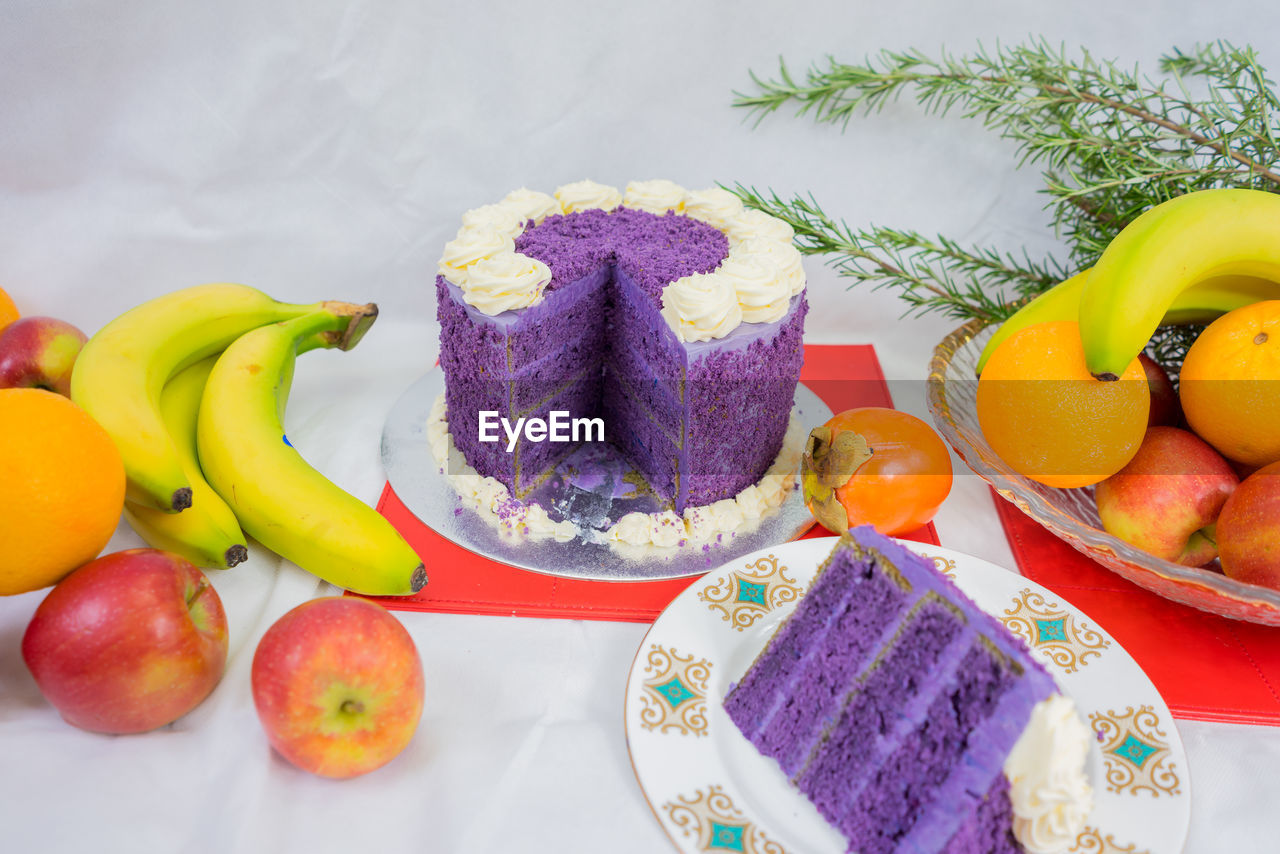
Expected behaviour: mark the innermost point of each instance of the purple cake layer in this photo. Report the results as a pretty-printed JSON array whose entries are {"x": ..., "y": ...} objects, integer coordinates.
[
  {"x": 825, "y": 642},
  {"x": 652, "y": 250},
  {"x": 700, "y": 421},
  {"x": 988, "y": 829},
  {"x": 896, "y": 727}
]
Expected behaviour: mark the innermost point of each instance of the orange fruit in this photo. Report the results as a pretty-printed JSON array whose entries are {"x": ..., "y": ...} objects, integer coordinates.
[
  {"x": 8, "y": 311},
  {"x": 61, "y": 488},
  {"x": 1230, "y": 384},
  {"x": 1049, "y": 419}
]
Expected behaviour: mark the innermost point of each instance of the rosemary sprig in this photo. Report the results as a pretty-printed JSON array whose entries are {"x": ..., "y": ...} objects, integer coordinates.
[
  {"x": 1110, "y": 143},
  {"x": 932, "y": 274}
]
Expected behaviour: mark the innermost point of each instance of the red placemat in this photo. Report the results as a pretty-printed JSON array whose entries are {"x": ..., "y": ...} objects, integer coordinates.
[
  {"x": 1206, "y": 667},
  {"x": 466, "y": 583}
]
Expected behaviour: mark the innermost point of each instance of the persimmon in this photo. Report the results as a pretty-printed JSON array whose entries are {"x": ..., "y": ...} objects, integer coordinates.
[{"x": 876, "y": 466}]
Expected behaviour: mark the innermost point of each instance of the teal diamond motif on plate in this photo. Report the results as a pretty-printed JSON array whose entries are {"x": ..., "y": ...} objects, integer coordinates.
[
  {"x": 749, "y": 591},
  {"x": 725, "y": 837},
  {"x": 1052, "y": 630},
  {"x": 1134, "y": 750},
  {"x": 675, "y": 692}
]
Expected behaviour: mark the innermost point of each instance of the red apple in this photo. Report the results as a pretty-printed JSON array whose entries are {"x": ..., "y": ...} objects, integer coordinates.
[
  {"x": 1166, "y": 409},
  {"x": 338, "y": 685},
  {"x": 39, "y": 352},
  {"x": 1249, "y": 529},
  {"x": 1167, "y": 498},
  {"x": 128, "y": 642}
]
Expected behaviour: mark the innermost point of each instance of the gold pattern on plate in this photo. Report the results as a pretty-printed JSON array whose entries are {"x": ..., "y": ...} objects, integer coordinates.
[
  {"x": 746, "y": 595},
  {"x": 1136, "y": 751},
  {"x": 1091, "y": 841},
  {"x": 1053, "y": 630},
  {"x": 675, "y": 692},
  {"x": 946, "y": 566},
  {"x": 715, "y": 824}
]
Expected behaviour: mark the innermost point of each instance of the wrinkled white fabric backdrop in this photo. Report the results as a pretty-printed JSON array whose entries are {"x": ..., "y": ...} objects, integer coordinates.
[{"x": 325, "y": 150}]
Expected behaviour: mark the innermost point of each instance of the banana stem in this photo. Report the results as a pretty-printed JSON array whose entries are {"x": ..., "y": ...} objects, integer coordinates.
[{"x": 359, "y": 319}]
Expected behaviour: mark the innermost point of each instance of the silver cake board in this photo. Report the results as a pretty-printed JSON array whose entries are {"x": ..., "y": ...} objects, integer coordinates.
[{"x": 427, "y": 492}]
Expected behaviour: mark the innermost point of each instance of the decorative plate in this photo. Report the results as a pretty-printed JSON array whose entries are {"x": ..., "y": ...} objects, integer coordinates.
[
  {"x": 414, "y": 474},
  {"x": 1071, "y": 514},
  {"x": 711, "y": 790}
]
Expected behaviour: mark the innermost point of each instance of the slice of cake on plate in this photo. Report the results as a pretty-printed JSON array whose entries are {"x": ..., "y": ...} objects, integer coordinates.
[{"x": 902, "y": 711}]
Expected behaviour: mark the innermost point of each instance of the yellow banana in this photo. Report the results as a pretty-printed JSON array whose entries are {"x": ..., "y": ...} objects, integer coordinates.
[
  {"x": 279, "y": 498},
  {"x": 206, "y": 533},
  {"x": 119, "y": 374},
  {"x": 1169, "y": 248},
  {"x": 1061, "y": 302},
  {"x": 1201, "y": 302}
]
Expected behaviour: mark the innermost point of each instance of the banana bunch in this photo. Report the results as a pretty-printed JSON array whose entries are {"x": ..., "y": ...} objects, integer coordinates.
[
  {"x": 1187, "y": 260},
  {"x": 192, "y": 387}
]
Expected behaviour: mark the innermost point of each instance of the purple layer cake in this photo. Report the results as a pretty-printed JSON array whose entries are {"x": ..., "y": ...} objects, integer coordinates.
[
  {"x": 700, "y": 420},
  {"x": 892, "y": 701}
]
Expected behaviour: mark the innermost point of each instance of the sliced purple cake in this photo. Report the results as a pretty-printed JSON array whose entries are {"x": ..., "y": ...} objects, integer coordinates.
[
  {"x": 892, "y": 702},
  {"x": 674, "y": 317}
]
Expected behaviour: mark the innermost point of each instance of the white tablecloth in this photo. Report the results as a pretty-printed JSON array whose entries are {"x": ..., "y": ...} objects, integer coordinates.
[{"x": 326, "y": 150}]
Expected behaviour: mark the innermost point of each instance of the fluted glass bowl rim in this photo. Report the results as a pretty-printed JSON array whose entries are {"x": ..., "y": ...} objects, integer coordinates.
[{"x": 1198, "y": 587}]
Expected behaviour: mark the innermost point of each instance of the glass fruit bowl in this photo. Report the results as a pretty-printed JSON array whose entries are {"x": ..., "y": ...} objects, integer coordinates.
[{"x": 1071, "y": 514}]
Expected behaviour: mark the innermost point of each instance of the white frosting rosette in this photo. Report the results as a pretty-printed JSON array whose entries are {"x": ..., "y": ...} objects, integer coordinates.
[
  {"x": 504, "y": 282},
  {"x": 530, "y": 205},
  {"x": 657, "y": 196},
  {"x": 701, "y": 307},
  {"x": 715, "y": 206},
  {"x": 755, "y": 223},
  {"x": 1048, "y": 790},
  {"x": 763, "y": 295},
  {"x": 503, "y": 218},
  {"x": 586, "y": 195},
  {"x": 471, "y": 244},
  {"x": 782, "y": 254}
]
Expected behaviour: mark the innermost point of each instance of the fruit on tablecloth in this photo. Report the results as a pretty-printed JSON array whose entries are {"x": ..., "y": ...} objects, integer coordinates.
[
  {"x": 1200, "y": 303},
  {"x": 1230, "y": 384},
  {"x": 129, "y": 642},
  {"x": 61, "y": 488},
  {"x": 125, "y": 365},
  {"x": 207, "y": 533},
  {"x": 279, "y": 498},
  {"x": 1249, "y": 529},
  {"x": 39, "y": 352},
  {"x": 1166, "y": 500},
  {"x": 8, "y": 311},
  {"x": 1166, "y": 409},
  {"x": 338, "y": 686},
  {"x": 877, "y": 466},
  {"x": 1049, "y": 419},
  {"x": 1171, "y": 247}
]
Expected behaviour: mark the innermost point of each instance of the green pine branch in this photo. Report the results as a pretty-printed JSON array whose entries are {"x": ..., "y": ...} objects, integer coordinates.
[{"x": 1109, "y": 141}]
